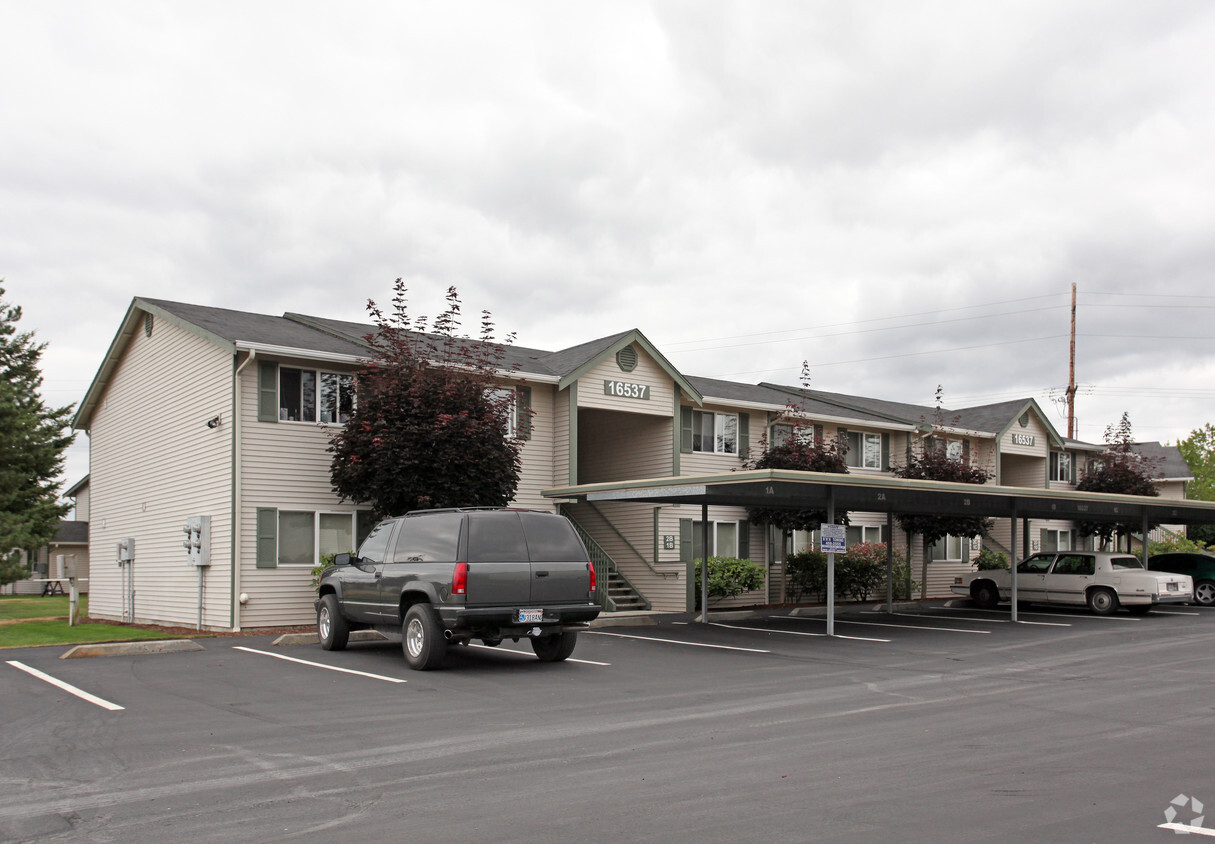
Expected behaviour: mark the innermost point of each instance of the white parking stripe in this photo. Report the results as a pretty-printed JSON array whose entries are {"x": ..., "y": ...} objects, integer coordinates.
[
  {"x": 526, "y": 654},
  {"x": 320, "y": 665},
  {"x": 980, "y": 620},
  {"x": 904, "y": 626},
  {"x": 67, "y": 687},
  {"x": 1186, "y": 829},
  {"x": 794, "y": 632},
  {"x": 676, "y": 642},
  {"x": 1048, "y": 614}
]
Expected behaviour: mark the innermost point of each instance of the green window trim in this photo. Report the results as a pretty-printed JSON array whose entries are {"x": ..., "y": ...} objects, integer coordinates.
[
  {"x": 267, "y": 538},
  {"x": 523, "y": 412},
  {"x": 267, "y": 391},
  {"x": 744, "y": 436},
  {"x": 685, "y": 430}
]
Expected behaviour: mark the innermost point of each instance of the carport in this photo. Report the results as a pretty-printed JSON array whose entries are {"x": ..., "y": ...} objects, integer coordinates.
[{"x": 779, "y": 488}]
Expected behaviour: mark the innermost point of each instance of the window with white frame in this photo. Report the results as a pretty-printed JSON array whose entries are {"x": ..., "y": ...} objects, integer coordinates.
[
  {"x": 306, "y": 395},
  {"x": 714, "y": 433},
  {"x": 862, "y": 533},
  {"x": 864, "y": 450},
  {"x": 510, "y": 399},
  {"x": 954, "y": 450},
  {"x": 1057, "y": 540},
  {"x": 304, "y": 537},
  {"x": 723, "y": 539},
  {"x": 1061, "y": 467},
  {"x": 950, "y": 548}
]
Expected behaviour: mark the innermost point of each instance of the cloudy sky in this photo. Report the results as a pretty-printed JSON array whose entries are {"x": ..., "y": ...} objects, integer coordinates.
[{"x": 899, "y": 193}]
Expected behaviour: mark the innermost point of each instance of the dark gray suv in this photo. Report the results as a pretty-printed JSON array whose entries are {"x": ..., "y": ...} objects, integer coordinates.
[{"x": 450, "y": 576}]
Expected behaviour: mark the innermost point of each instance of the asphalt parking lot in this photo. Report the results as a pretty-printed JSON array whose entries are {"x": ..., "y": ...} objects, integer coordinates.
[{"x": 940, "y": 723}]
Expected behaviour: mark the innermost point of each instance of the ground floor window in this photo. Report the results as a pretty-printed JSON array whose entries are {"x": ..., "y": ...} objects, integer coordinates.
[
  {"x": 303, "y": 537},
  {"x": 723, "y": 539},
  {"x": 1057, "y": 540},
  {"x": 950, "y": 548}
]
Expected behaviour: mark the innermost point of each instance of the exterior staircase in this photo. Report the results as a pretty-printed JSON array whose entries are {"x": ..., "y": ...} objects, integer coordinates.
[{"x": 613, "y": 591}]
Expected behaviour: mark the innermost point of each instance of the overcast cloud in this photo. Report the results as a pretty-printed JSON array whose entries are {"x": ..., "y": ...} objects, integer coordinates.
[{"x": 900, "y": 193}]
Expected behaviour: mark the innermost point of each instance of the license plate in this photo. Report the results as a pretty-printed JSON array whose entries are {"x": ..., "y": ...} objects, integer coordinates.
[
  {"x": 529, "y": 616},
  {"x": 1172, "y": 587}
]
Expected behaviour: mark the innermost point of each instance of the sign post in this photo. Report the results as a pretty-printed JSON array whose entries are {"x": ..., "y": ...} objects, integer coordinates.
[{"x": 833, "y": 541}]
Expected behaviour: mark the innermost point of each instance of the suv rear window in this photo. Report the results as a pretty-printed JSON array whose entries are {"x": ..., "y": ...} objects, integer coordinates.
[
  {"x": 496, "y": 538},
  {"x": 428, "y": 539},
  {"x": 551, "y": 539}
]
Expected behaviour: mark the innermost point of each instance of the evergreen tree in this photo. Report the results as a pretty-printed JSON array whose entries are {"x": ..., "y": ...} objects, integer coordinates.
[
  {"x": 431, "y": 423},
  {"x": 33, "y": 439},
  {"x": 1119, "y": 469},
  {"x": 1198, "y": 449}
]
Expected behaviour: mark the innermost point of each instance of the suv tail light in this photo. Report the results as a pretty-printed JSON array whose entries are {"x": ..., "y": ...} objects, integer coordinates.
[
  {"x": 590, "y": 567},
  {"x": 459, "y": 579}
]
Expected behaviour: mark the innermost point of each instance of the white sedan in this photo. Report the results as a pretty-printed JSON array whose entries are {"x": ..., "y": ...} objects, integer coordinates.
[{"x": 1101, "y": 580}]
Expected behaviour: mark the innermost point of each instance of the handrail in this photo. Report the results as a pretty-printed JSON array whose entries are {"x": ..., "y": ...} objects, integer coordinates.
[
  {"x": 605, "y": 565},
  {"x": 629, "y": 545}
]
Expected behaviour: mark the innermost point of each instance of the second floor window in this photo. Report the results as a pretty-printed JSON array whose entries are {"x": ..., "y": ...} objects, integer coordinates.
[
  {"x": 714, "y": 433},
  {"x": 864, "y": 450},
  {"x": 305, "y": 395},
  {"x": 1061, "y": 467}
]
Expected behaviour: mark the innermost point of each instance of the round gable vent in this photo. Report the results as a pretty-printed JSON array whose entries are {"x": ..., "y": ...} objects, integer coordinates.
[{"x": 626, "y": 359}]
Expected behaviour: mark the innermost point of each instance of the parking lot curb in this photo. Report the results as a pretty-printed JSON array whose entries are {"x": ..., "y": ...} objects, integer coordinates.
[
  {"x": 310, "y": 638},
  {"x": 624, "y": 619},
  {"x": 164, "y": 646}
]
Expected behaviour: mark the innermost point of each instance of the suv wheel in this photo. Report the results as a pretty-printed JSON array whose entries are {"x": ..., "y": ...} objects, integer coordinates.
[
  {"x": 331, "y": 627},
  {"x": 422, "y": 638},
  {"x": 555, "y": 648}
]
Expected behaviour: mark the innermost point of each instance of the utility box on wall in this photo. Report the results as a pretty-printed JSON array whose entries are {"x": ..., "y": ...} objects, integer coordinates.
[{"x": 198, "y": 540}]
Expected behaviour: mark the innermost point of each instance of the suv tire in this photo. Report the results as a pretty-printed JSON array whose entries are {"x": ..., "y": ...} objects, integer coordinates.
[
  {"x": 331, "y": 627},
  {"x": 422, "y": 638},
  {"x": 555, "y": 648}
]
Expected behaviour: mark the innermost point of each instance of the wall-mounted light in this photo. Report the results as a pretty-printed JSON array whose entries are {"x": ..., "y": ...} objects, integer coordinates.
[{"x": 213, "y": 422}]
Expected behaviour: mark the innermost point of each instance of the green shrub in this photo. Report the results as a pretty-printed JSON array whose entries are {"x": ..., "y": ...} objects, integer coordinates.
[
  {"x": 729, "y": 577},
  {"x": 859, "y": 573},
  {"x": 319, "y": 571},
  {"x": 1175, "y": 543},
  {"x": 989, "y": 559}
]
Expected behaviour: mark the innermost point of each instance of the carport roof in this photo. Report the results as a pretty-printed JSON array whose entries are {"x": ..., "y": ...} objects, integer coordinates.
[{"x": 810, "y": 490}]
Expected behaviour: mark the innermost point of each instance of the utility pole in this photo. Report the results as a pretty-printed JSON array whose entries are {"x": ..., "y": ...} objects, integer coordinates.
[{"x": 1071, "y": 375}]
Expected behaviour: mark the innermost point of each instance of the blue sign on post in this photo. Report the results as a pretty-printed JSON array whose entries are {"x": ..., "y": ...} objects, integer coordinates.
[{"x": 832, "y": 539}]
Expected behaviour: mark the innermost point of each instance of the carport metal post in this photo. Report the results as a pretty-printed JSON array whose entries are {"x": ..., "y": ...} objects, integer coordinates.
[
  {"x": 889, "y": 562},
  {"x": 830, "y": 566},
  {"x": 704, "y": 563},
  {"x": 1144, "y": 549},
  {"x": 1013, "y": 565}
]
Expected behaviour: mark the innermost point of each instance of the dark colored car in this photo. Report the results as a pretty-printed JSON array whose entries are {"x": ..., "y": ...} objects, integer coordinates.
[
  {"x": 1200, "y": 568},
  {"x": 450, "y": 576}
]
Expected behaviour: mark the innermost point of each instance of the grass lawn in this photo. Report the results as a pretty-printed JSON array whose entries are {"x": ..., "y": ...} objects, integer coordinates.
[{"x": 31, "y": 621}]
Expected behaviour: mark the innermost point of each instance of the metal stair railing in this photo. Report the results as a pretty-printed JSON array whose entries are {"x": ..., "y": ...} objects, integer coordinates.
[{"x": 605, "y": 568}]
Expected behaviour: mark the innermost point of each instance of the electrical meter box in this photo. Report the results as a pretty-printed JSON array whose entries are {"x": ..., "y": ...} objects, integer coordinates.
[
  {"x": 126, "y": 550},
  {"x": 198, "y": 540}
]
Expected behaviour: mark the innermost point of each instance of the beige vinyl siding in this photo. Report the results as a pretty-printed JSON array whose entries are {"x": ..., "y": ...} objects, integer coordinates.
[
  {"x": 561, "y": 438},
  {"x": 647, "y": 373},
  {"x": 704, "y": 463},
  {"x": 284, "y": 465},
  {"x": 1024, "y": 471},
  {"x": 154, "y": 463},
  {"x": 614, "y": 446},
  {"x": 625, "y": 530},
  {"x": 536, "y": 471},
  {"x": 1036, "y": 429}
]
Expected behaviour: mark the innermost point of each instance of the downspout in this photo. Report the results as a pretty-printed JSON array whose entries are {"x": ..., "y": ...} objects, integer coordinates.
[{"x": 237, "y": 415}]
